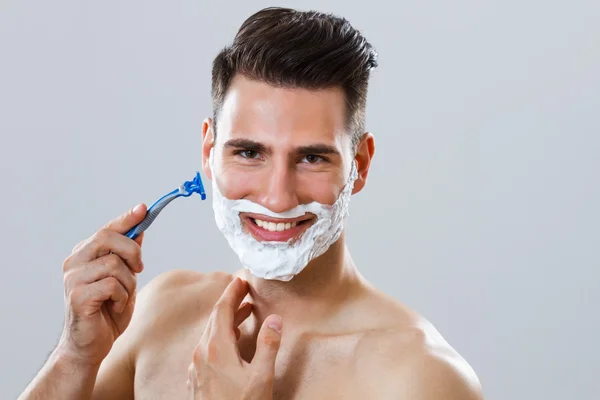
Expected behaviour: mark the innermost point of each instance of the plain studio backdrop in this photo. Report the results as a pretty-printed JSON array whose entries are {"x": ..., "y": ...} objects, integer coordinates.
[{"x": 481, "y": 210}]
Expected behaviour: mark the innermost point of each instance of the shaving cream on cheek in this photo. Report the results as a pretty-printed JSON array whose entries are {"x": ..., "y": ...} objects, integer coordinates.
[{"x": 280, "y": 260}]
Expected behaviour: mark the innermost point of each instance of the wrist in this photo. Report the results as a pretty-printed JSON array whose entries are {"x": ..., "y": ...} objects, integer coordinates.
[
  {"x": 63, "y": 376},
  {"x": 65, "y": 359}
]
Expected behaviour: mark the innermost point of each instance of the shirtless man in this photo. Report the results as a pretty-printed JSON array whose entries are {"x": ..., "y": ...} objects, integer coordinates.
[{"x": 286, "y": 140}]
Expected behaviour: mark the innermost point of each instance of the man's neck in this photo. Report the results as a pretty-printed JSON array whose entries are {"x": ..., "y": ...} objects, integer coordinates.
[{"x": 311, "y": 297}]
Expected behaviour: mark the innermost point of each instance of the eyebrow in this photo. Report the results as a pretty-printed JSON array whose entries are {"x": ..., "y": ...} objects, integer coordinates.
[
  {"x": 251, "y": 145},
  {"x": 317, "y": 149},
  {"x": 246, "y": 144}
]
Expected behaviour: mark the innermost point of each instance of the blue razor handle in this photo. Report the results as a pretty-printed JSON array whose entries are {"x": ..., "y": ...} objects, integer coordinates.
[{"x": 185, "y": 190}]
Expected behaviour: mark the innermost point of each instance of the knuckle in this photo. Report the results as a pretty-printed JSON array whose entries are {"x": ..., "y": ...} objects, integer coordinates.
[
  {"x": 261, "y": 378},
  {"x": 66, "y": 266},
  {"x": 271, "y": 340},
  {"x": 77, "y": 246},
  {"x": 101, "y": 235},
  {"x": 212, "y": 352},
  {"x": 68, "y": 278},
  {"x": 219, "y": 307},
  {"x": 113, "y": 262},
  {"x": 112, "y": 283},
  {"x": 197, "y": 357},
  {"x": 130, "y": 286},
  {"x": 75, "y": 297},
  {"x": 134, "y": 255},
  {"x": 132, "y": 281},
  {"x": 96, "y": 241}
]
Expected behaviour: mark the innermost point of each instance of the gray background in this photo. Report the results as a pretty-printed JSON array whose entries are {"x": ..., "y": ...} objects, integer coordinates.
[{"x": 481, "y": 208}]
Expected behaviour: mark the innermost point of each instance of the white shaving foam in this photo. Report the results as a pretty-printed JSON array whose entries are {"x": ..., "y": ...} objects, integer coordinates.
[{"x": 281, "y": 260}]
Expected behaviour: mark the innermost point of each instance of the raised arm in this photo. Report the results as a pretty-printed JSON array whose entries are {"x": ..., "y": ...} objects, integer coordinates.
[{"x": 100, "y": 284}]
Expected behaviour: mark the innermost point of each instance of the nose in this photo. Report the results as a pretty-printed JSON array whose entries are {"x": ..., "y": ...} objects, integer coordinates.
[{"x": 279, "y": 190}]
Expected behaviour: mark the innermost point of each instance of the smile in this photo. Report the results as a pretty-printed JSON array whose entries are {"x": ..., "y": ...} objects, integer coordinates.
[
  {"x": 274, "y": 227},
  {"x": 276, "y": 230}
]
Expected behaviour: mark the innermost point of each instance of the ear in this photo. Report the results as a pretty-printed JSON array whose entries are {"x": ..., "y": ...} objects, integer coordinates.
[
  {"x": 208, "y": 142},
  {"x": 364, "y": 154}
]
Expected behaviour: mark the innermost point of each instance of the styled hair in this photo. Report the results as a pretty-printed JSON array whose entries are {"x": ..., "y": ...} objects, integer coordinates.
[{"x": 299, "y": 49}]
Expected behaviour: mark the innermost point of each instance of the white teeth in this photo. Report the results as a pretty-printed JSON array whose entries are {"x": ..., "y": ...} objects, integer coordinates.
[{"x": 275, "y": 227}]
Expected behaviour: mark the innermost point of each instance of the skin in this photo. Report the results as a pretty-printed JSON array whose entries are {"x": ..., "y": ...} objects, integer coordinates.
[{"x": 327, "y": 333}]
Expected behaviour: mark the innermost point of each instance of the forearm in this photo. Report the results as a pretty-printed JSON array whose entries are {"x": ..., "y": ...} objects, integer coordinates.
[{"x": 62, "y": 377}]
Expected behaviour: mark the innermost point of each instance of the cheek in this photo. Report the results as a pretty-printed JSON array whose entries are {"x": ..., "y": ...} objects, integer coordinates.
[
  {"x": 235, "y": 184},
  {"x": 321, "y": 188}
]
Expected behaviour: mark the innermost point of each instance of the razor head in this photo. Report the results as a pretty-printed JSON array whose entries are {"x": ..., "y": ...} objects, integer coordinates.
[
  {"x": 193, "y": 186},
  {"x": 198, "y": 181}
]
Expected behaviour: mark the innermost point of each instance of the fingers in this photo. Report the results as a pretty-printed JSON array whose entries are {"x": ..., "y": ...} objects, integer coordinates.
[
  {"x": 242, "y": 313},
  {"x": 110, "y": 265},
  {"x": 102, "y": 241},
  {"x": 78, "y": 246},
  {"x": 106, "y": 241},
  {"x": 111, "y": 289},
  {"x": 225, "y": 309},
  {"x": 124, "y": 222},
  {"x": 139, "y": 240},
  {"x": 267, "y": 346},
  {"x": 97, "y": 293},
  {"x": 240, "y": 316},
  {"x": 219, "y": 340}
]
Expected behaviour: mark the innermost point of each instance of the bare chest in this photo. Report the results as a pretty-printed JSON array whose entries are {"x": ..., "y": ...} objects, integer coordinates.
[{"x": 325, "y": 368}]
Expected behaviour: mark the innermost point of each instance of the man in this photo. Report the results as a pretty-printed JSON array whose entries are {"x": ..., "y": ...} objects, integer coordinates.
[{"x": 285, "y": 150}]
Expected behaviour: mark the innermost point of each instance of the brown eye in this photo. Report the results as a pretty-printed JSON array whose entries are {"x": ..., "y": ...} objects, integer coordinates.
[
  {"x": 248, "y": 154},
  {"x": 311, "y": 159}
]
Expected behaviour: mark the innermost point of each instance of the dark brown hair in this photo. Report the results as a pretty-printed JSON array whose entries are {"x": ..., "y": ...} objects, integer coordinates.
[{"x": 299, "y": 49}]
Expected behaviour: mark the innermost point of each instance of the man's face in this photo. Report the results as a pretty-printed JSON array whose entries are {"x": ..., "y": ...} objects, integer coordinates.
[{"x": 279, "y": 148}]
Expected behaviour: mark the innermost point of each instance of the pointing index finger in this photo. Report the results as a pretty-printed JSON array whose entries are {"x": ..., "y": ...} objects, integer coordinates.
[{"x": 228, "y": 304}]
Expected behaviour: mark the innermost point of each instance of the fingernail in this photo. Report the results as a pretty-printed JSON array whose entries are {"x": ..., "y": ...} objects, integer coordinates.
[
  {"x": 275, "y": 323},
  {"x": 137, "y": 208}
]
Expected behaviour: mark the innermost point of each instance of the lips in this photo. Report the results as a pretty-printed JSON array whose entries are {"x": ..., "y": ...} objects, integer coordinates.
[{"x": 265, "y": 228}]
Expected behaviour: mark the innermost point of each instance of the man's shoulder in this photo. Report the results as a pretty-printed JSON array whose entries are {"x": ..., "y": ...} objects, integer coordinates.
[
  {"x": 419, "y": 362},
  {"x": 183, "y": 281},
  {"x": 424, "y": 366},
  {"x": 176, "y": 298},
  {"x": 435, "y": 369},
  {"x": 171, "y": 289}
]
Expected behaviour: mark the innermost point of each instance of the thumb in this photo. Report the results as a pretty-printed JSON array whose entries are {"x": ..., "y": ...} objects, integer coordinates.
[
  {"x": 128, "y": 220},
  {"x": 267, "y": 346}
]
